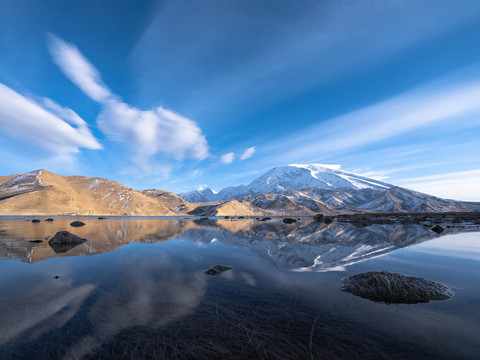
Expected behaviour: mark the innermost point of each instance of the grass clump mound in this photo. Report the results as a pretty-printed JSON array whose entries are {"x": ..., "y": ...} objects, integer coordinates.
[{"x": 390, "y": 288}]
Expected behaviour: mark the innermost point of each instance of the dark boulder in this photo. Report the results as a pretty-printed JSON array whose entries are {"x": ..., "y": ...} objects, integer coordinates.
[
  {"x": 36, "y": 241},
  {"x": 64, "y": 241},
  {"x": 289, "y": 220},
  {"x": 327, "y": 219},
  {"x": 437, "y": 229},
  {"x": 241, "y": 217},
  {"x": 226, "y": 217},
  {"x": 49, "y": 219},
  {"x": 217, "y": 269},
  {"x": 77, "y": 224},
  {"x": 390, "y": 288},
  {"x": 101, "y": 218},
  {"x": 35, "y": 221},
  {"x": 318, "y": 217}
]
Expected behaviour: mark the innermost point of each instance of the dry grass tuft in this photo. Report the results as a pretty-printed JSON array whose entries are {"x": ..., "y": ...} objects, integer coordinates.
[{"x": 391, "y": 288}]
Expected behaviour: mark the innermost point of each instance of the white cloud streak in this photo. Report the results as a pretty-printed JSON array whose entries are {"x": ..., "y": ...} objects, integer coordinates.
[
  {"x": 404, "y": 114},
  {"x": 78, "y": 69},
  {"x": 248, "y": 153},
  {"x": 147, "y": 132},
  {"x": 227, "y": 158},
  {"x": 460, "y": 185},
  {"x": 49, "y": 126}
]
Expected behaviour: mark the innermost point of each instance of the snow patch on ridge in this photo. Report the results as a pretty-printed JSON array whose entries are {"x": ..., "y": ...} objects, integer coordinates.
[{"x": 25, "y": 182}]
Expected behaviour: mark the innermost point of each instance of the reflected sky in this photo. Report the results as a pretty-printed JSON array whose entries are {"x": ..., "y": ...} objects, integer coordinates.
[{"x": 466, "y": 246}]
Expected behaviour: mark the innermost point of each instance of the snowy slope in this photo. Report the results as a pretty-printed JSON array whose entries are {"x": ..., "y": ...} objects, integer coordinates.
[
  {"x": 291, "y": 177},
  {"x": 300, "y": 177}
]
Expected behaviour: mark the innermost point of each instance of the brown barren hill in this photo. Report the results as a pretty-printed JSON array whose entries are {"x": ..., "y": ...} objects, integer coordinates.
[
  {"x": 229, "y": 208},
  {"x": 174, "y": 202},
  {"x": 41, "y": 192}
]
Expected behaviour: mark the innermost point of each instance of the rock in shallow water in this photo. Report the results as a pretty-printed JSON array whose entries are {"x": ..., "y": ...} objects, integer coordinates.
[
  {"x": 64, "y": 241},
  {"x": 390, "y": 288},
  {"x": 77, "y": 223},
  {"x": 217, "y": 269},
  {"x": 289, "y": 220},
  {"x": 437, "y": 229}
]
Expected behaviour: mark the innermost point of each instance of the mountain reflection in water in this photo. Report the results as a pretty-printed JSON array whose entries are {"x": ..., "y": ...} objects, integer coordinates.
[{"x": 306, "y": 245}]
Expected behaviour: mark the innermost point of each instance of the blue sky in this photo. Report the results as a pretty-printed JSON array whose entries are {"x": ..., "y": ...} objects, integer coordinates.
[{"x": 184, "y": 94}]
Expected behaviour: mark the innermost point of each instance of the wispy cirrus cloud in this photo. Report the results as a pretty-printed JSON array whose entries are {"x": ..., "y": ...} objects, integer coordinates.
[
  {"x": 147, "y": 132},
  {"x": 459, "y": 185},
  {"x": 78, "y": 69},
  {"x": 248, "y": 153},
  {"x": 422, "y": 108},
  {"x": 45, "y": 124}
]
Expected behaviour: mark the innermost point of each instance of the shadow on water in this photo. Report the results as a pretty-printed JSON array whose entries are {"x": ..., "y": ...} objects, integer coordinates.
[{"x": 151, "y": 299}]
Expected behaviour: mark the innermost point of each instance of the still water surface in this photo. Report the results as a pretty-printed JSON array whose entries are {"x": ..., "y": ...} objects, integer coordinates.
[{"x": 137, "y": 289}]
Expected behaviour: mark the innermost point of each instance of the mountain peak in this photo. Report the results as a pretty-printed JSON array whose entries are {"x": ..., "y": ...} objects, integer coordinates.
[
  {"x": 315, "y": 166},
  {"x": 304, "y": 176},
  {"x": 199, "y": 195}
]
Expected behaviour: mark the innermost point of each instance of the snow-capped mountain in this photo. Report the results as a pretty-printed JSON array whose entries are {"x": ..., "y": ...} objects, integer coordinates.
[
  {"x": 300, "y": 177},
  {"x": 291, "y": 177},
  {"x": 198, "y": 196},
  {"x": 314, "y": 188}
]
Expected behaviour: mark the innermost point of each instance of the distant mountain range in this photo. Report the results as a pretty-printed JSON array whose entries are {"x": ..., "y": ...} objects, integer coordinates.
[
  {"x": 286, "y": 190},
  {"x": 315, "y": 188}
]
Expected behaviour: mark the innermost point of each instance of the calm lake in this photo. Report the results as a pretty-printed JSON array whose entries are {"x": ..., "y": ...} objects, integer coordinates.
[{"x": 137, "y": 289}]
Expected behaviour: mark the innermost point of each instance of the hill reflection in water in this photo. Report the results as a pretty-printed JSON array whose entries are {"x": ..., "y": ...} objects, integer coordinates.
[{"x": 304, "y": 246}]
